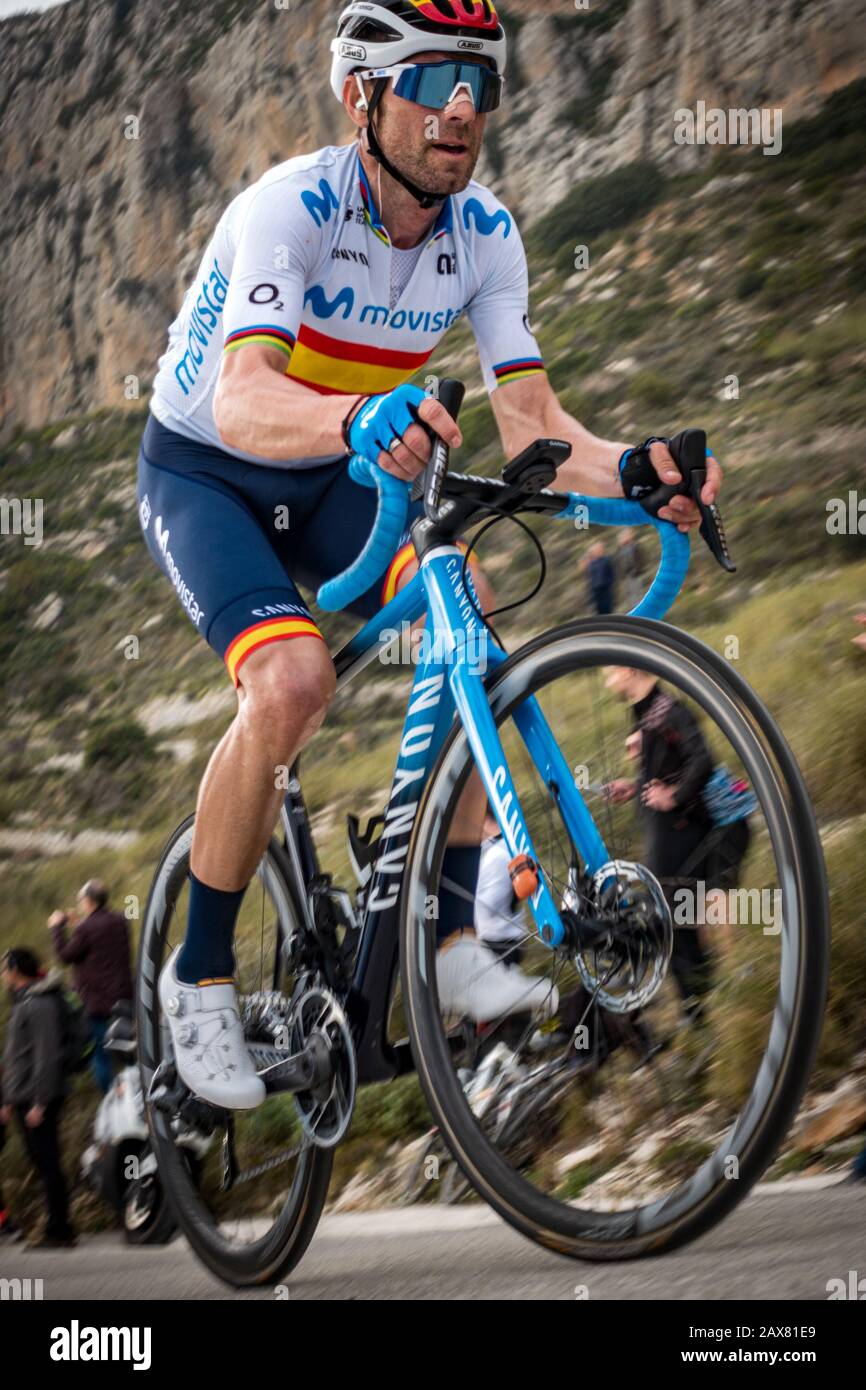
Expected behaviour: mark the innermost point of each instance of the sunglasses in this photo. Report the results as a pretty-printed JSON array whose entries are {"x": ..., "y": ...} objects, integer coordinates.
[{"x": 438, "y": 84}]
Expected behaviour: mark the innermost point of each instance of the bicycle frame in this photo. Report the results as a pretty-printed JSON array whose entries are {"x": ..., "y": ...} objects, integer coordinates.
[{"x": 450, "y": 682}]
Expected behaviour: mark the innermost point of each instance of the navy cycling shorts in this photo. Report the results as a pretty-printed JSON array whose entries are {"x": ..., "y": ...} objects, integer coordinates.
[{"x": 236, "y": 540}]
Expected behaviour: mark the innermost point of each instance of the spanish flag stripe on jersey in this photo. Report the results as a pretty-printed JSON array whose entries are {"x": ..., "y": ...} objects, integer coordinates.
[
  {"x": 262, "y": 634},
  {"x": 359, "y": 352},
  {"x": 352, "y": 376}
]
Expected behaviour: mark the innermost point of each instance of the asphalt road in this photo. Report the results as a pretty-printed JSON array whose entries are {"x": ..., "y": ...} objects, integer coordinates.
[{"x": 781, "y": 1245}]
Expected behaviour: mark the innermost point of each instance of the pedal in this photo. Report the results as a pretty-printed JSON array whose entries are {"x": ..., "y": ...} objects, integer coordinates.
[
  {"x": 172, "y": 1097},
  {"x": 284, "y": 1072}
]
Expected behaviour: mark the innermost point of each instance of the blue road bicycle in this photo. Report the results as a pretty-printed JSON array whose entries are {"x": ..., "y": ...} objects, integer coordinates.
[{"x": 687, "y": 964}]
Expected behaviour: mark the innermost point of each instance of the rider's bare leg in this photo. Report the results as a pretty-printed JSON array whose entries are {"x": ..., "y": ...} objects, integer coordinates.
[
  {"x": 283, "y": 696},
  {"x": 284, "y": 693}
]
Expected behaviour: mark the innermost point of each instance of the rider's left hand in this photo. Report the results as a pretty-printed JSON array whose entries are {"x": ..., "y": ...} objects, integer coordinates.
[{"x": 683, "y": 510}]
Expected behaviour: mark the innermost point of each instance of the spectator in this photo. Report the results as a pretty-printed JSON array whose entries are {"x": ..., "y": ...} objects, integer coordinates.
[
  {"x": 682, "y": 844},
  {"x": 98, "y": 948},
  {"x": 630, "y": 568},
  {"x": 34, "y": 1083},
  {"x": 601, "y": 579},
  {"x": 7, "y": 1226}
]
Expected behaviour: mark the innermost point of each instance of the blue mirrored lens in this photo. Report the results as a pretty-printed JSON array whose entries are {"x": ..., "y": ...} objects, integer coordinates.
[{"x": 431, "y": 84}]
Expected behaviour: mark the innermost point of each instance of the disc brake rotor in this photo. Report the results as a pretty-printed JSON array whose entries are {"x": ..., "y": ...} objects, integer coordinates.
[{"x": 625, "y": 969}]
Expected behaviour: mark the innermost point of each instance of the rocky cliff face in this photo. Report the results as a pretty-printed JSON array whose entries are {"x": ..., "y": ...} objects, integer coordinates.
[{"x": 126, "y": 125}]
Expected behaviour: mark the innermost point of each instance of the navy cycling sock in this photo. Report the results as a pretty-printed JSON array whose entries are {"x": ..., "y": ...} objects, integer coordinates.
[
  {"x": 208, "y": 953},
  {"x": 457, "y": 887}
]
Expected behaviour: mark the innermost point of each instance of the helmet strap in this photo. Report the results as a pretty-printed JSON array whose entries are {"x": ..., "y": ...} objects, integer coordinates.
[{"x": 427, "y": 200}]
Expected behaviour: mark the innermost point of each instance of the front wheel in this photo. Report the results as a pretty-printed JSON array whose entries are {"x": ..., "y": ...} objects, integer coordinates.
[{"x": 644, "y": 1110}]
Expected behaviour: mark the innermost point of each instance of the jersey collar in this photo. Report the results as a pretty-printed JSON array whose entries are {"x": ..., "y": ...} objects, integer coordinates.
[{"x": 444, "y": 223}]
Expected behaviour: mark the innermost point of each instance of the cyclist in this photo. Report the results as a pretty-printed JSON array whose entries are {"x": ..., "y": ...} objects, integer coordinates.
[{"x": 325, "y": 287}]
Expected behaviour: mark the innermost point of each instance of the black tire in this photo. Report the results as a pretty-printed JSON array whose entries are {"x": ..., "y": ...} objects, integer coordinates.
[
  {"x": 780, "y": 1081},
  {"x": 270, "y": 1258}
]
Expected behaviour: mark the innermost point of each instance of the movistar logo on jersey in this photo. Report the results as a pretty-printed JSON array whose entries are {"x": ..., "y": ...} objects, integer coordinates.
[
  {"x": 320, "y": 205},
  {"x": 379, "y": 315},
  {"x": 475, "y": 211},
  {"x": 416, "y": 320},
  {"x": 324, "y": 308},
  {"x": 204, "y": 317}
]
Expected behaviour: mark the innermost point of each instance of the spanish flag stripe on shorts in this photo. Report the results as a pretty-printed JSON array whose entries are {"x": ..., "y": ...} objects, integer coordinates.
[
  {"x": 262, "y": 634},
  {"x": 400, "y": 563},
  {"x": 396, "y": 569}
]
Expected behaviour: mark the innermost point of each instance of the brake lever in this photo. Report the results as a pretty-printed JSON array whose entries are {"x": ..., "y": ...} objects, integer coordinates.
[
  {"x": 689, "y": 453},
  {"x": 712, "y": 526},
  {"x": 431, "y": 483}
]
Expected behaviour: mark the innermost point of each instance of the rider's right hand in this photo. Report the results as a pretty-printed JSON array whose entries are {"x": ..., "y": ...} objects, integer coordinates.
[{"x": 386, "y": 431}]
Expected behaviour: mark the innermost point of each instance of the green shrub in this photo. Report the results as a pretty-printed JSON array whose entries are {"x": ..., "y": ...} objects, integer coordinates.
[
  {"x": 652, "y": 390},
  {"x": 750, "y": 282},
  {"x": 115, "y": 743}
]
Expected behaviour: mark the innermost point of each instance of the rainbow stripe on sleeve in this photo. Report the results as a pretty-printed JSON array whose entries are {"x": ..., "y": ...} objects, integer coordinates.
[
  {"x": 516, "y": 370},
  {"x": 265, "y": 333}
]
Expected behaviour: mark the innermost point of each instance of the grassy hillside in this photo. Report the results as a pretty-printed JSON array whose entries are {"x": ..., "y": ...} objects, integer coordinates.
[{"x": 751, "y": 268}]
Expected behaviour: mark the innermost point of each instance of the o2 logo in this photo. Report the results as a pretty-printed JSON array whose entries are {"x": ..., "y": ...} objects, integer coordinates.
[{"x": 266, "y": 294}]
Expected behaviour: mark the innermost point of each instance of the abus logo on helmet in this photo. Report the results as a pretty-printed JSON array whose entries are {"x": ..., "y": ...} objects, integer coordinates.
[
  {"x": 353, "y": 50},
  {"x": 469, "y": 43}
]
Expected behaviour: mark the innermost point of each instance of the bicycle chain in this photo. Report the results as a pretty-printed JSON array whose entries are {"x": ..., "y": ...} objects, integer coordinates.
[{"x": 268, "y": 1166}]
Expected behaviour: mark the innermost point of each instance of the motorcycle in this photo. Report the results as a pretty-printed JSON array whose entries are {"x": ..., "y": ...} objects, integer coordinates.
[{"x": 119, "y": 1164}]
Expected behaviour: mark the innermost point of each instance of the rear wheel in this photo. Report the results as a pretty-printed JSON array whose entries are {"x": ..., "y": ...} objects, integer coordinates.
[
  {"x": 247, "y": 1187},
  {"x": 643, "y": 1112}
]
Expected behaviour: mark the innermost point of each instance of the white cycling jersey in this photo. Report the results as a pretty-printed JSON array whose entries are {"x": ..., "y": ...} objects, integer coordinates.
[{"x": 300, "y": 260}]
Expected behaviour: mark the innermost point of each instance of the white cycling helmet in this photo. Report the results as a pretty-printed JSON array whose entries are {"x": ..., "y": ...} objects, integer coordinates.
[{"x": 381, "y": 33}]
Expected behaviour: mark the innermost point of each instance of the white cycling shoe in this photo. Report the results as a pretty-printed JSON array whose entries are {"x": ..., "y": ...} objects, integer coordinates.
[
  {"x": 474, "y": 983},
  {"x": 208, "y": 1038}
]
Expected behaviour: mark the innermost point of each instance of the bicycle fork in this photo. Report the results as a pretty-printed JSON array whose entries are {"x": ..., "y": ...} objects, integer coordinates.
[{"x": 467, "y": 648}]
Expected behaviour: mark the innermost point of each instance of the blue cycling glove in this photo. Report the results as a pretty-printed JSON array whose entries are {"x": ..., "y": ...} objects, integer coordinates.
[{"x": 383, "y": 420}]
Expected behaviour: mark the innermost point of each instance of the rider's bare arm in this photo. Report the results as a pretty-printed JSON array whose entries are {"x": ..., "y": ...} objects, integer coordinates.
[
  {"x": 261, "y": 411},
  {"x": 528, "y": 410}
]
